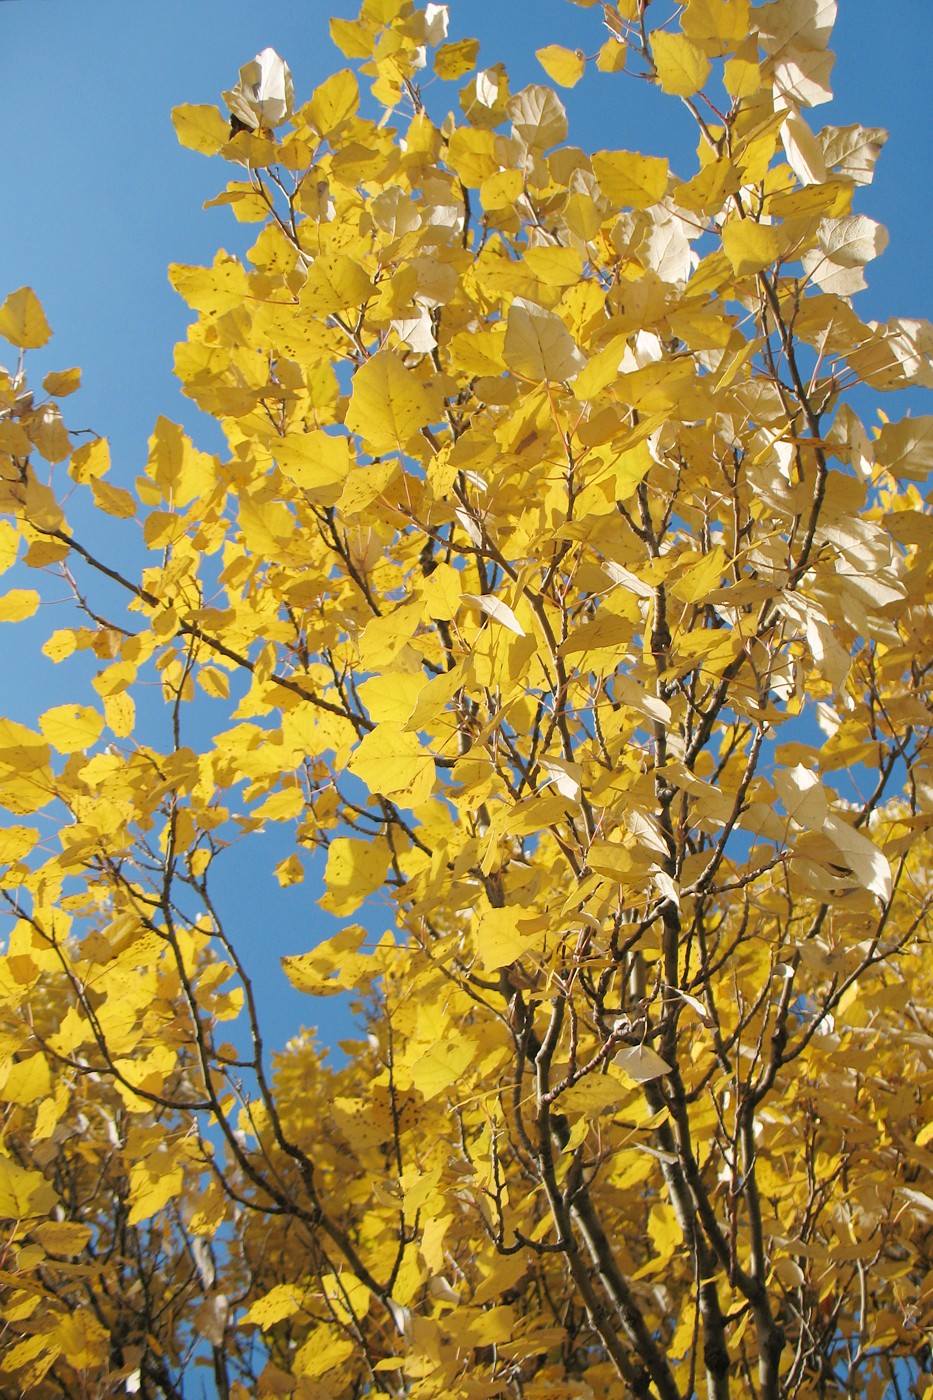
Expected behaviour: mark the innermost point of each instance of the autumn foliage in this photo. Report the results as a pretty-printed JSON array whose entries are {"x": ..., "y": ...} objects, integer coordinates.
[{"x": 551, "y": 584}]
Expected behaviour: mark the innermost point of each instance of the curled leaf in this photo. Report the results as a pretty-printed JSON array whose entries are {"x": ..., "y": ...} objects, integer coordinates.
[{"x": 265, "y": 95}]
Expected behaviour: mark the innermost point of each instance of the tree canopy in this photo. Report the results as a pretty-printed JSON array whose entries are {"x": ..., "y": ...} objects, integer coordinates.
[{"x": 551, "y": 584}]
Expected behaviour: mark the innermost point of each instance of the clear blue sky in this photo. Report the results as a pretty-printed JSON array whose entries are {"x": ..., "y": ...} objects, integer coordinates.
[{"x": 98, "y": 198}]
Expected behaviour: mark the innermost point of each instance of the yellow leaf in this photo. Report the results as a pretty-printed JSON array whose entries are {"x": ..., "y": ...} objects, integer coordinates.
[
  {"x": 154, "y": 1181},
  {"x": 71, "y": 728},
  {"x": 539, "y": 118},
  {"x": 641, "y": 1063},
  {"x": 333, "y": 102},
  {"x": 354, "y": 870},
  {"x": 18, "y": 604},
  {"x": 16, "y": 842},
  {"x": 334, "y": 283},
  {"x": 538, "y": 345},
  {"x": 200, "y": 128},
  {"x": 906, "y": 448},
  {"x": 120, "y": 714},
  {"x": 750, "y": 246},
  {"x": 742, "y": 74},
  {"x": 564, "y": 66},
  {"x": 113, "y": 500},
  {"x": 335, "y": 965},
  {"x": 60, "y": 383},
  {"x": 318, "y": 462},
  {"x": 9, "y": 545},
  {"x": 384, "y": 638},
  {"x": 90, "y": 462},
  {"x": 720, "y": 26},
  {"x": 290, "y": 871},
  {"x": 555, "y": 267},
  {"x": 211, "y": 290},
  {"x": 27, "y": 1080},
  {"x": 214, "y": 682},
  {"x": 394, "y": 702},
  {"x": 682, "y": 67},
  {"x": 366, "y": 485},
  {"x": 389, "y": 404},
  {"x": 442, "y": 590},
  {"x": 23, "y": 1193},
  {"x": 351, "y": 37},
  {"x": 322, "y": 1353},
  {"x": 611, "y": 57},
  {"x": 282, "y": 1301},
  {"x": 631, "y": 180},
  {"x": 392, "y": 763},
  {"x": 593, "y": 1095},
  {"x": 441, "y": 1066},
  {"x": 699, "y": 580},
  {"x": 501, "y": 190},
  {"x": 267, "y": 526},
  {"x": 454, "y": 59},
  {"x": 83, "y": 1340},
  {"x": 495, "y": 608},
  {"x": 471, "y": 152},
  {"x": 66, "y": 1237},
  {"x": 180, "y": 471},
  {"x": 498, "y": 940},
  {"x": 22, "y": 320}
]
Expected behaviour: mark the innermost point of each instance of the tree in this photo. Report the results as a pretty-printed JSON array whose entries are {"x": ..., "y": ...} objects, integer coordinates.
[{"x": 554, "y": 588}]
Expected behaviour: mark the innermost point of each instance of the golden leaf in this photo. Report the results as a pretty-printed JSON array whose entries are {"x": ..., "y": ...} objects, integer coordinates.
[
  {"x": 682, "y": 67},
  {"x": 22, "y": 320},
  {"x": 564, "y": 66},
  {"x": 389, "y": 404}
]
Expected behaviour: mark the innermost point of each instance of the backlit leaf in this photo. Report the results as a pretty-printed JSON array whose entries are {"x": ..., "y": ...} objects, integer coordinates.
[{"x": 538, "y": 345}]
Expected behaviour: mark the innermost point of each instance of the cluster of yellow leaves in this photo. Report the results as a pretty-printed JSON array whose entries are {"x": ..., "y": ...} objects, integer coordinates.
[{"x": 542, "y": 544}]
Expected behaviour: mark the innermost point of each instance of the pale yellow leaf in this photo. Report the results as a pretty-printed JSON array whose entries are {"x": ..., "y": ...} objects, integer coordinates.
[
  {"x": 538, "y": 117},
  {"x": 496, "y": 609},
  {"x": 538, "y": 345},
  {"x": 641, "y": 1063},
  {"x": 863, "y": 857}
]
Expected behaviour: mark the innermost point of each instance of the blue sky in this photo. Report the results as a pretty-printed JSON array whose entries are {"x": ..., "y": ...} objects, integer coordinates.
[{"x": 99, "y": 198}]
